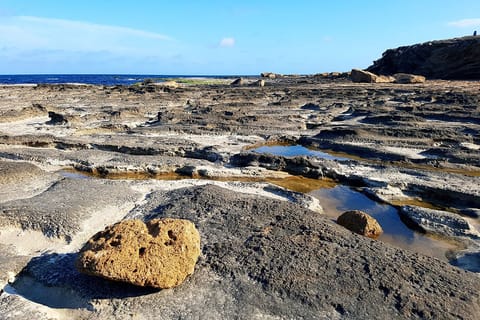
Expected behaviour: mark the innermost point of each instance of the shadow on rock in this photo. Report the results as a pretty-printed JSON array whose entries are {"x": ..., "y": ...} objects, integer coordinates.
[{"x": 53, "y": 280}]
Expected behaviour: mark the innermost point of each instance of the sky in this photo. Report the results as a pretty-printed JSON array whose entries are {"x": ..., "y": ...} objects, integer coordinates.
[{"x": 201, "y": 37}]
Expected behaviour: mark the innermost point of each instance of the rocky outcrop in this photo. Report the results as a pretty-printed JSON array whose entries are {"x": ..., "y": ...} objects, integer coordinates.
[
  {"x": 445, "y": 59},
  {"x": 360, "y": 222},
  {"x": 358, "y": 75},
  {"x": 161, "y": 253},
  {"x": 405, "y": 78}
]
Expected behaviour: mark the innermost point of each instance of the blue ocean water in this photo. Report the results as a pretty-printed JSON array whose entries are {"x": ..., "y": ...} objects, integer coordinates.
[{"x": 98, "y": 79}]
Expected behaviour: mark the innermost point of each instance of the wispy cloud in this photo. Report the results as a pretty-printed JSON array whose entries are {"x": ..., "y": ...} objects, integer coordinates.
[
  {"x": 22, "y": 33},
  {"x": 465, "y": 23},
  {"x": 227, "y": 42}
]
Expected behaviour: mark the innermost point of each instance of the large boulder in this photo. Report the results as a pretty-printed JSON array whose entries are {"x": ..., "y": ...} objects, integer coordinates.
[
  {"x": 362, "y": 76},
  {"x": 360, "y": 222},
  {"x": 445, "y": 59},
  {"x": 160, "y": 253},
  {"x": 406, "y": 78}
]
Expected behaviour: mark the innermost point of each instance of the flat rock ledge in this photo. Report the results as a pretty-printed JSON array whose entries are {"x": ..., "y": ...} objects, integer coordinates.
[{"x": 161, "y": 253}]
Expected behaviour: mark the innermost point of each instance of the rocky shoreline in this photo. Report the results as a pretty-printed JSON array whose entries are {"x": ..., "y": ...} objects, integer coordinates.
[{"x": 75, "y": 159}]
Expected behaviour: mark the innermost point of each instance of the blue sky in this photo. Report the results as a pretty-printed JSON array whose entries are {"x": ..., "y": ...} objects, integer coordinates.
[{"x": 218, "y": 37}]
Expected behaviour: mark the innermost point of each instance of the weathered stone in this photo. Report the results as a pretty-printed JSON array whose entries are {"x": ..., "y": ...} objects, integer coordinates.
[
  {"x": 439, "y": 222},
  {"x": 62, "y": 210},
  {"x": 358, "y": 75},
  {"x": 269, "y": 75},
  {"x": 360, "y": 222},
  {"x": 405, "y": 78},
  {"x": 237, "y": 82},
  {"x": 258, "y": 83},
  {"x": 160, "y": 253},
  {"x": 444, "y": 59}
]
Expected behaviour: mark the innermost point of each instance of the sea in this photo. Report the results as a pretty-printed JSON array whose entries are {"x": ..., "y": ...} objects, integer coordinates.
[{"x": 97, "y": 79}]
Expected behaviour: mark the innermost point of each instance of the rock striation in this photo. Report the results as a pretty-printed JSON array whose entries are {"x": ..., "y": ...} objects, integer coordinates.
[
  {"x": 452, "y": 59},
  {"x": 161, "y": 253},
  {"x": 360, "y": 222}
]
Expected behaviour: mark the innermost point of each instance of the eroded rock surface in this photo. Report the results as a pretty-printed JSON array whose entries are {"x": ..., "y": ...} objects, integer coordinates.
[
  {"x": 159, "y": 254},
  {"x": 62, "y": 210}
]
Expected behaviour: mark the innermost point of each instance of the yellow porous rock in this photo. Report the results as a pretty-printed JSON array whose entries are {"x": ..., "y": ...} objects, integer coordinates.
[{"x": 161, "y": 253}]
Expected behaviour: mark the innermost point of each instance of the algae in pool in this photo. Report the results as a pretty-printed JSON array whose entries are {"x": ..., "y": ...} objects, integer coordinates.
[{"x": 341, "y": 198}]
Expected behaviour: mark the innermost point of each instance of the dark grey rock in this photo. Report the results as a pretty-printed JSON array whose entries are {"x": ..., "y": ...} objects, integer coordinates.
[{"x": 445, "y": 59}]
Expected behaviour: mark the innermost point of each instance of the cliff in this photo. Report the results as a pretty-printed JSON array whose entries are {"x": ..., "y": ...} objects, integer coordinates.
[{"x": 453, "y": 59}]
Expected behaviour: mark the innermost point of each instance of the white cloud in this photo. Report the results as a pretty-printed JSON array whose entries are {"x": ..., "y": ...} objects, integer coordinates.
[
  {"x": 25, "y": 33},
  {"x": 465, "y": 23},
  {"x": 227, "y": 42}
]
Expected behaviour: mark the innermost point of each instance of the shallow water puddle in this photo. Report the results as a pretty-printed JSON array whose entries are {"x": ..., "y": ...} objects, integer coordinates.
[
  {"x": 339, "y": 199},
  {"x": 296, "y": 150},
  {"x": 288, "y": 150}
]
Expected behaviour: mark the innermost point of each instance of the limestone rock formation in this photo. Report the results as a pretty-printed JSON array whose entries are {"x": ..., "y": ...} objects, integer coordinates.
[
  {"x": 361, "y": 223},
  {"x": 358, "y": 75},
  {"x": 445, "y": 59},
  {"x": 406, "y": 78},
  {"x": 160, "y": 253}
]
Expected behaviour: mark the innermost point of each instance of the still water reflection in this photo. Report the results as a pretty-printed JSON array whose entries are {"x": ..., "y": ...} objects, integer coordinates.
[{"x": 339, "y": 199}]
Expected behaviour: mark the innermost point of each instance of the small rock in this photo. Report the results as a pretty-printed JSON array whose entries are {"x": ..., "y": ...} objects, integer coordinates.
[
  {"x": 358, "y": 75},
  {"x": 237, "y": 82},
  {"x": 258, "y": 83},
  {"x": 360, "y": 222},
  {"x": 405, "y": 78},
  {"x": 56, "y": 118},
  {"x": 160, "y": 253}
]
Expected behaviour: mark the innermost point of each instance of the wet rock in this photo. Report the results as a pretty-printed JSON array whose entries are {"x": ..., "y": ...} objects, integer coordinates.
[
  {"x": 405, "y": 78},
  {"x": 159, "y": 254},
  {"x": 360, "y": 222},
  {"x": 358, "y": 75},
  {"x": 433, "y": 59},
  {"x": 237, "y": 82},
  {"x": 438, "y": 222}
]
